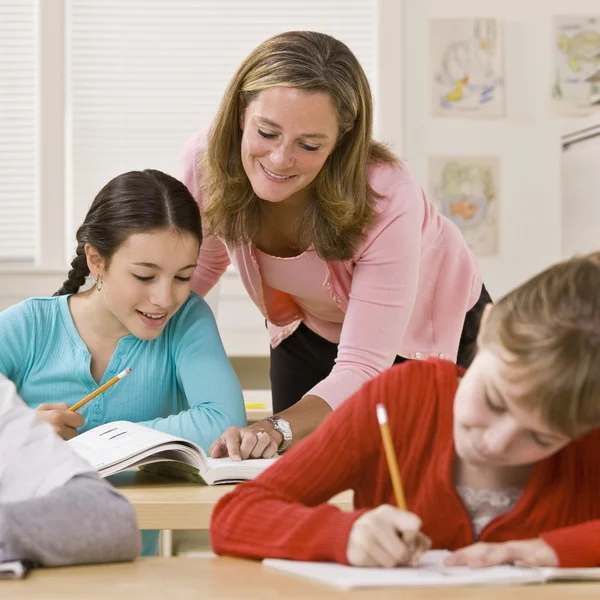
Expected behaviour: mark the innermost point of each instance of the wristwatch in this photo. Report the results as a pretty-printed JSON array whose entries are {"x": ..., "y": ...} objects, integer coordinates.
[{"x": 284, "y": 428}]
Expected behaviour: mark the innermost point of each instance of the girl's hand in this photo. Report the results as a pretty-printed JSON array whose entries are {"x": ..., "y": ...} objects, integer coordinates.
[
  {"x": 525, "y": 553},
  {"x": 259, "y": 440},
  {"x": 386, "y": 537},
  {"x": 65, "y": 423}
]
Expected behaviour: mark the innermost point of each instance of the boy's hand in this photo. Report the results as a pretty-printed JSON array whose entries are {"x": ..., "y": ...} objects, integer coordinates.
[
  {"x": 65, "y": 423},
  {"x": 525, "y": 553},
  {"x": 386, "y": 537}
]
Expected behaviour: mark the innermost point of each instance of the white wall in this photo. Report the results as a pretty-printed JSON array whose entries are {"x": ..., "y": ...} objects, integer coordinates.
[
  {"x": 580, "y": 171},
  {"x": 17, "y": 284},
  {"x": 527, "y": 140}
]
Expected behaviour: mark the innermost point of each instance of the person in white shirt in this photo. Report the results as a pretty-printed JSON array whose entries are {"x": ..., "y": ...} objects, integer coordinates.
[{"x": 54, "y": 509}]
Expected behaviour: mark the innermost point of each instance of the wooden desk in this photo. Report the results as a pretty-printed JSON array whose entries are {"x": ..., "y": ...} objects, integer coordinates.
[
  {"x": 165, "y": 503},
  {"x": 227, "y": 578}
]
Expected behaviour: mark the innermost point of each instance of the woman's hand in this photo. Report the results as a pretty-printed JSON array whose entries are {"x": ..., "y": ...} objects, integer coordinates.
[
  {"x": 525, "y": 553},
  {"x": 386, "y": 537},
  {"x": 65, "y": 423},
  {"x": 259, "y": 440}
]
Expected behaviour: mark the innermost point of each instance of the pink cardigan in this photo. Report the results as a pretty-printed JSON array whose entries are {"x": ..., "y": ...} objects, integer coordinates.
[{"x": 405, "y": 292}]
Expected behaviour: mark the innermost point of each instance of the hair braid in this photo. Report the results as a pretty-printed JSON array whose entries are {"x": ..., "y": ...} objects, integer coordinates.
[{"x": 78, "y": 273}]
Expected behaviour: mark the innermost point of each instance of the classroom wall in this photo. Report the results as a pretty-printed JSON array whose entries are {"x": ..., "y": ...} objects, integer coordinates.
[
  {"x": 527, "y": 140},
  {"x": 581, "y": 195}
]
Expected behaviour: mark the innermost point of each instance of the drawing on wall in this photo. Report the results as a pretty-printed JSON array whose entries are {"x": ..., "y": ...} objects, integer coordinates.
[
  {"x": 467, "y": 68},
  {"x": 576, "y": 57},
  {"x": 465, "y": 189}
]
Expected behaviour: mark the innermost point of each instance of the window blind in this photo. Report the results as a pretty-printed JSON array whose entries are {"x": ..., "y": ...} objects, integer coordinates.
[
  {"x": 18, "y": 129},
  {"x": 144, "y": 75}
]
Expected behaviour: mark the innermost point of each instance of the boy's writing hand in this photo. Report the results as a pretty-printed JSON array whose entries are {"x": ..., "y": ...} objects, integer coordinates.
[
  {"x": 65, "y": 423},
  {"x": 386, "y": 537},
  {"x": 525, "y": 553}
]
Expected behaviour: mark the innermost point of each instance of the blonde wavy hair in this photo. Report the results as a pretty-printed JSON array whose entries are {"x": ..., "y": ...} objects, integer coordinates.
[
  {"x": 550, "y": 330},
  {"x": 341, "y": 207}
]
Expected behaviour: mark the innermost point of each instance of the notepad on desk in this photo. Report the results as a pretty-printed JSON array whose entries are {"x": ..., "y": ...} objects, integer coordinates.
[
  {"x": 14, "y": 569},
  {"x": 121, "y": 445},
  {"x": 431, "y": 572}
]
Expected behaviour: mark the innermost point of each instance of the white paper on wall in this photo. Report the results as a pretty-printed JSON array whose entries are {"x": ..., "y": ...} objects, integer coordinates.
[
  {"x": 576, "y": 56},
  {"x": 467, "y": 68},
  {"x": 465, "y": 189}
]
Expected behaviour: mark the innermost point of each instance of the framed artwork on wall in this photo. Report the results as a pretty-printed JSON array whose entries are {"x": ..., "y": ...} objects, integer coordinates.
[
  {"x": 467, "y": 68},
  {"x": 465, "y": 189}
]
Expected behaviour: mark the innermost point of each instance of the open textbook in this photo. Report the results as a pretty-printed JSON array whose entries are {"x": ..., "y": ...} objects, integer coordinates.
[
  {"x": 120, "y": 445},
  {"x": 431, "y": 572}
]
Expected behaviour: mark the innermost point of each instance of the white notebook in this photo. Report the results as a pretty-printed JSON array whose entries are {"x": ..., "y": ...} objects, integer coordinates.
[
  {"x": 120, "y": 445},
  {"x": 15, "y": 569},
  {"x": 431, "y": 572}
]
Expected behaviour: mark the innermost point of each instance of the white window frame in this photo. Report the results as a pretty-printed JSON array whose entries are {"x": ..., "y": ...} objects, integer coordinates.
[
  {"x": 53, "y": 251},
  {"x": 49, "y": 253}
]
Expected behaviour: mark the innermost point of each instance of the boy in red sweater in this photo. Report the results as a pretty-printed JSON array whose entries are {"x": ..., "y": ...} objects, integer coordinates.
[{"x": 500, "y": 463}]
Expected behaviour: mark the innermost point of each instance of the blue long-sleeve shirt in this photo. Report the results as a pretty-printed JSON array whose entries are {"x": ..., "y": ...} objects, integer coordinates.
[{"x": 181, "y": 382}]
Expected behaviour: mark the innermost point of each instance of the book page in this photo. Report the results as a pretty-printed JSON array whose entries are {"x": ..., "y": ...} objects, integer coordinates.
[
  {"x": 250, "y": 464},
  {"x": 114, "y": 442},
  {"x": 573, "y": 574},
  {"x": 225, "y": 470},
  {"x": 431, "y": 572}
]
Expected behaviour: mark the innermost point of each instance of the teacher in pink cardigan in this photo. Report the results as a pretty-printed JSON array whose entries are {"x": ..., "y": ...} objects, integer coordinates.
[{"x": 350, "y": 264}]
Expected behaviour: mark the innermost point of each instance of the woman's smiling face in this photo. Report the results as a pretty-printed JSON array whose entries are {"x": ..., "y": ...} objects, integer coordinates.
[{"x": 288, "y": 133}]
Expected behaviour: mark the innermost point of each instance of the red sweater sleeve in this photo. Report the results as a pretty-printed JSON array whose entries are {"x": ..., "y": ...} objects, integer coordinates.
[
  {"x": 576, "y": 546},
  {"x": 284, "y": 513}
]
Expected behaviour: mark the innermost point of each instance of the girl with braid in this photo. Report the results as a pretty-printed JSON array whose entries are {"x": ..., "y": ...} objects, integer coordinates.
[{"x": 139, "y": 243}]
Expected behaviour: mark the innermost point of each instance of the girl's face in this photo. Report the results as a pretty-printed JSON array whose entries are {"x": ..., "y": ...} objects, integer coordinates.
[
  {"x": 148, "y": 279},
  {"x": 490, "y": 428},
  {"x": 288, "y": 134}
]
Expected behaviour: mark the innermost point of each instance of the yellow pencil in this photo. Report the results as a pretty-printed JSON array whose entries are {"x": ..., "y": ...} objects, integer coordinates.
[
  {"x": 251, "y": 405},
  {"x": 390, "y": 455},
  {"x": 99, "y": 390}
]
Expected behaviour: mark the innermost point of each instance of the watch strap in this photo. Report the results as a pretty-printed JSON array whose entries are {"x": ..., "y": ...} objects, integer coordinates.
[{"x": 284, "y": 427}]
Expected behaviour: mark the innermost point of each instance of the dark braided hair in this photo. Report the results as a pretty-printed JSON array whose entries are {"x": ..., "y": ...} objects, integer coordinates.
[{"x": 135, "y": 202}]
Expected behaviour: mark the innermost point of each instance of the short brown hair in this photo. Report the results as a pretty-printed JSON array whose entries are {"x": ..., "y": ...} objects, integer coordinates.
[
  {"x": 342, "y": 206},
  {"x": 550, "y": 328}
]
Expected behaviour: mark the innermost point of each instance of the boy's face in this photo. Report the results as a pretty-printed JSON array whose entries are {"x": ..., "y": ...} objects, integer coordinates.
[{"x": 490, "y": 428}]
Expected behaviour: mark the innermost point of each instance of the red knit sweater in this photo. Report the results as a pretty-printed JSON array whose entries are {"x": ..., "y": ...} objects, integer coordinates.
[{"x": 284, "y": 513}]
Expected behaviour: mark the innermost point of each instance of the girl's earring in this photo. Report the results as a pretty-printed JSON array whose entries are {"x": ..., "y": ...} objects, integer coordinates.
[{"x": 99, "y": 282}]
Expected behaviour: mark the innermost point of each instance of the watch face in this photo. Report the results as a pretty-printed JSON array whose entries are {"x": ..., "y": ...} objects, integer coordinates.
[{"x": 284, "y": 427}]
